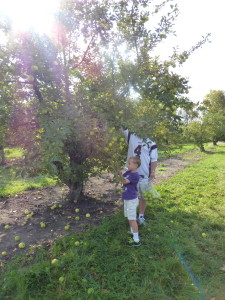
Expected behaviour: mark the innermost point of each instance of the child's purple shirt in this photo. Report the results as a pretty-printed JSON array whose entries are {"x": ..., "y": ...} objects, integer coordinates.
[{"x": 130, "y": 189}]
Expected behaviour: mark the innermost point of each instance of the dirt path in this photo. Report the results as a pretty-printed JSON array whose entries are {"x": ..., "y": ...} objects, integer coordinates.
[{"x": 100, "y": 200}]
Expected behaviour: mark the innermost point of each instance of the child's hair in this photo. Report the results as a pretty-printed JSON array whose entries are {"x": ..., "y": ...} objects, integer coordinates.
[{"x": 136, "y": 160}]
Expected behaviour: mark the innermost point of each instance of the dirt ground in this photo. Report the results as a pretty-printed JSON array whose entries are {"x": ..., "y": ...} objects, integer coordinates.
[{"x": 100, "y": 200}]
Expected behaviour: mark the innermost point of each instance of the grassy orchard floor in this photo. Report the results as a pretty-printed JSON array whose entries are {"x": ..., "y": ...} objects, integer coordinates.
[
  {"x": 11, "y": 181},
  {"x": 175, "y": 262}
]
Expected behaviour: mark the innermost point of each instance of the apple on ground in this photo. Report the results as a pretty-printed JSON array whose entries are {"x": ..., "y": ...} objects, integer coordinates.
[
  {"x": 77, "y": 218},
  {"x": 77, "y": 210},
  {"x": 54, "y": 261},
  {"x": 61, "y": 279},
  {"x": 90, "y": 291},
  {"x": 6, "y": 227},
  {"x": 4, "y": 253},
  {"x": 67, "y": 227},
  {"x": 26, "y": 211},
  {"x": 88, "y": 215},
  {"x": 77, "y": 243},
  {"x": 22, "y": 245},
  {"x": 17, "y": 238},
  {"x": 42, "y": 224}
]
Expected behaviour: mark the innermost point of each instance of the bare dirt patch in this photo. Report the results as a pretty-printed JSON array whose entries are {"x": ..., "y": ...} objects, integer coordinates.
[{"x": 100, "y": 200}]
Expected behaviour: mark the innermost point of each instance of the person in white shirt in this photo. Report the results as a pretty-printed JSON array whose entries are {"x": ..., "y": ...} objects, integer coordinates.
[{"x": 147, "y": 151}]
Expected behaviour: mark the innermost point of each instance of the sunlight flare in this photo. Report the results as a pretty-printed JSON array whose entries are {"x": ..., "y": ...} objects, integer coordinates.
[{"x": 30, "y": 14}]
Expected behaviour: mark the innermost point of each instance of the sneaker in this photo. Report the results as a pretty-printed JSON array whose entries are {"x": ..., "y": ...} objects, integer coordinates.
[
  {"x": 140, "y": 220},
  {"x": 132, "y": 243}
]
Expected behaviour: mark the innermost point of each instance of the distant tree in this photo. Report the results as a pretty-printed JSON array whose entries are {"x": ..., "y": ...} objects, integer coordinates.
[
  {"x": 213, "y": 108},
  {"x": 197, "y": 133}
]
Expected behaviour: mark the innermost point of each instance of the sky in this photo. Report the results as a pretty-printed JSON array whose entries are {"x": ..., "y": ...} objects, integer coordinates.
[{"x": 205, "y": 68}]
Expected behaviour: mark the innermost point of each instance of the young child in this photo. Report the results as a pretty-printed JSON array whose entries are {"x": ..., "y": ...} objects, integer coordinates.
[{"x": 129, "y": 196}]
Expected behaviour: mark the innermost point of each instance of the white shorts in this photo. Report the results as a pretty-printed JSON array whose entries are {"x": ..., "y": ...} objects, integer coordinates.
[
  {"x": 130, "y": 209},
  {"x": 144, "y": 185}
]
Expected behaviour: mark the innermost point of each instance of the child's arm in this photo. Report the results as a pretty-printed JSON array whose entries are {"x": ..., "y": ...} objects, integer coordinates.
[{"x": 126, "y": 181}]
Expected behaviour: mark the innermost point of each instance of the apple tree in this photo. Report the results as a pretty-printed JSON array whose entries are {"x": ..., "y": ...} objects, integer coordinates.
[
  {"x": 80, "y": 83},
  {"x": 213, "y": 108}
]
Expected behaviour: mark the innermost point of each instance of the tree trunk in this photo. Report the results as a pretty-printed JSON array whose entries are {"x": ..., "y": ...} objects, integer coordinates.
[
  {"x": 2, "y": 157},
  {"x": 214, "y": 143},
  {"x": 75, "y": 192},
  {"x": 202, "y": 149}
]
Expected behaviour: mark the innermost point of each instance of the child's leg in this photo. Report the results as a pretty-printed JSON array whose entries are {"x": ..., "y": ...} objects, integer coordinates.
[
  {"x": 133, "y": 225},
  {"x": 131, "y": 209}
]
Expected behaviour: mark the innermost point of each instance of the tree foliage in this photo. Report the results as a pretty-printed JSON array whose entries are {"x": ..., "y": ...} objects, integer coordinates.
[{"x": 213, "y": 108}]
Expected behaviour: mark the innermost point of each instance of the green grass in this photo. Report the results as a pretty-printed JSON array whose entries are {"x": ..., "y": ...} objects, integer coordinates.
[
  {"x": 174, "y": 262},
  {"x": 11, "y": 153},
  {"x": 11, "y": 181},
  {"x": 168, "y": 151}
]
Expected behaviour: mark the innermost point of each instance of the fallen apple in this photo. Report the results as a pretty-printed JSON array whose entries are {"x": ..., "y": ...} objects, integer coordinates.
[
  {"x": 4, "y": 253},
  {"x": 67, "y": 227},
  {"x": 22, "y": 245},
  {"x": 17, "y": 238},
  {"x": 90, "y": 291},
  {"x": 26, "y": 211},
  {"x": 42, "y": 224},
  {"x": 77, "y": 210},
  {"x": 61, "y": 279},
  {"x": 88, "y": 215},
  {"x": 77, "y": 218},
  {"x": 77, "y": 243},
  {"x": 54, "y": 261},
  {"x": 6, "y": 227}
]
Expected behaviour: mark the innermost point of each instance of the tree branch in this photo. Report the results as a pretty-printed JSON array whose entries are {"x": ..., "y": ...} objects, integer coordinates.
[{"x": 85, "y": 53}]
